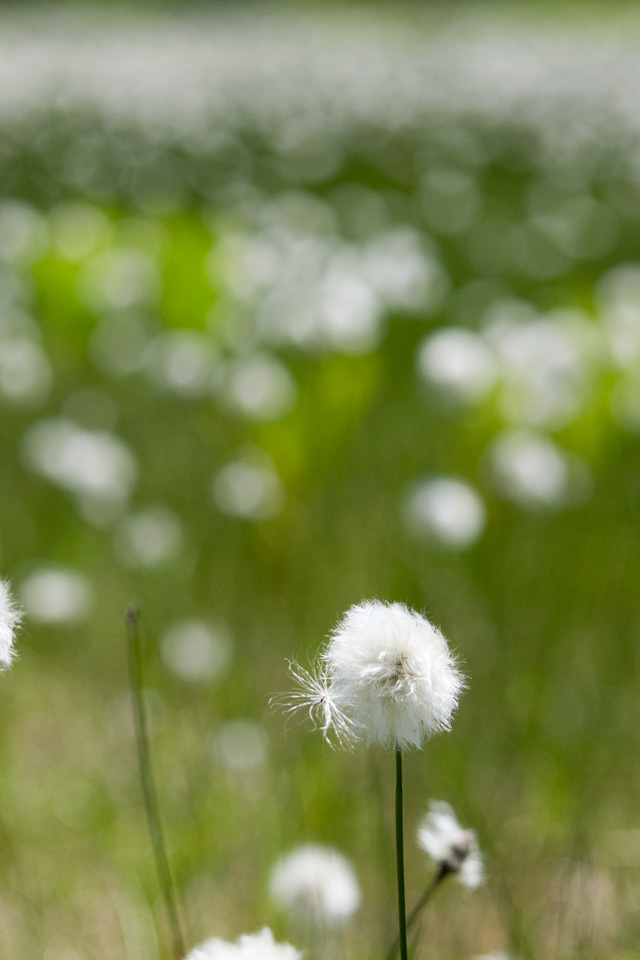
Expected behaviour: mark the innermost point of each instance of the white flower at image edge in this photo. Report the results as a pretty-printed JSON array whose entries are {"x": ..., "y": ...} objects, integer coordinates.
[
  {"x": 387, "y": 676},
  {"x": 315, "y": 883},
  {"x": 256, "y": 946},
  {"x": 454, "y": 849},
  {"x": 10, "y": 617}
]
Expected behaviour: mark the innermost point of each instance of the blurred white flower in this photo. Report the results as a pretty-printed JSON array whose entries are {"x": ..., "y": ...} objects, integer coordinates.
[
  {"x": 618, "y": 295},
  {"x": 78, "y": 228},
  {"x": 446, "y": 510},
  {"x": 546, "y": 367},
  {"x": 459, "y": 363},
  {"x": 257, "y": 946},
  {"x": 450, "y": 199},
  {"x": 25, "y": 371},
  {"x": 119, "y": 343},
  {"x": 346, "y": 310},
  {"x": 148, "y": 538},
  {"x": 24, "y": 233},
  {"x": 625, "y": 402},
  {"x": 402, "y": 273},
  {"x": 10, "y": 616},
  {"x": 95, "y": 466},
  {"x": 183, "y": 361},
  {"x": 241, "y": 745},
  {"x": 387, "y": 677},
  {"x": 56, "y": 596},
  {"x": 118, "y": 279},
  {"x": 196, "y": 650},
  {"x": 315, "y": 291},
  {"x": 494, "y": 955},
  {"x": 249, "y": 488},
  {"x": 316, "y": 884},
  {"x": 454, "y": 850},
  {"x": 535, "y": 472},
  {"x": 261, "y": 387}
]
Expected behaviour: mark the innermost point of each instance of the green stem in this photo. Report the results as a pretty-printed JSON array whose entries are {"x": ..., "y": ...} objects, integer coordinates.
[
  {"x": 420, "y": 905},
  {"x": 148, "y": 784},
  {"x": 402, "y": 909},
  {"x": 426, "y": 896}
]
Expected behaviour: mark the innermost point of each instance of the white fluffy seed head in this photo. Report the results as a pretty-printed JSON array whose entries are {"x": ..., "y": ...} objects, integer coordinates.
[
  {"x": 316, "y": 884},
  {"x": 450, "y": 846},
  {"x": 10, "y": 616},
  {"x": 256, "y": 946},
  {"x": 391, "y": 671}
]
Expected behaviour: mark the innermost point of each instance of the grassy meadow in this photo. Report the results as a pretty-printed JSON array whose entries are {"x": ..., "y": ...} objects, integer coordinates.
[{"x": 226, "y": 250}]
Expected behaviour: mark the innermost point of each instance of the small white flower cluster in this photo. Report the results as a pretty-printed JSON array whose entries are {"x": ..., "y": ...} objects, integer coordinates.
[
  {"x": 257, "y": 946},
  {"x": 386, "y": 676},
  {"x": 323, "y": 293},
  {"x": 454, "y": 849},
  {"x": 317, "y": 884},
  {"x": 10, "y": 616}
]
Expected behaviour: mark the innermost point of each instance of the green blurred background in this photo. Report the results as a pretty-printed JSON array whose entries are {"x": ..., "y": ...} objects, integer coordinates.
[{"x": 233, "y": 252}]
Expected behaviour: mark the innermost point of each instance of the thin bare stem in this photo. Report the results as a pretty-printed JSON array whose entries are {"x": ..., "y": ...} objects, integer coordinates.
[
  {"x": 420, "y": 905},
  {"x": 402, "y": 909},
  {"x": 148, "y": 784}
]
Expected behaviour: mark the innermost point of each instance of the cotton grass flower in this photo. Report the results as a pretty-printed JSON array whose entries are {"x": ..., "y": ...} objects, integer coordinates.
[
  {"x": 454, "y": 849},
  {"x": 446, "y": 511},
  {"x": 315, "y": 884},
  {"x": 241, "y": 746},
  {"x": 56, "y": 595},
  {"x": 249, "y": 487},
  {"x": 149, "y": 538},
  {"x": 534, "y": 472},
  {"x": 256, "y": 946},
  {"x": 10, "y": 616},
  {"x": 388, "y": 677},
  {"x": 197, "y": 651},
  {"x": 93, "y": 465},
  {"x": 496, "y": 955},
  {"x": 458, "y": 363}
]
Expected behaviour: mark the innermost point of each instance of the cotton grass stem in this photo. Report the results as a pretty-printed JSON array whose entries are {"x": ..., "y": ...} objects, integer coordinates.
[
  {"x": 148, "y": 783},
  {"x": 419, "y": 907},
  {"x": 402, "y": 909}
]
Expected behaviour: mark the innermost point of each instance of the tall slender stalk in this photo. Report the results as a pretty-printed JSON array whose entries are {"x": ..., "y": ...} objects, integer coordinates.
[
  {"x": 148, "y": 783},
  {"x": 402, "y": 909},
  {"x": 420, "y": 905}
]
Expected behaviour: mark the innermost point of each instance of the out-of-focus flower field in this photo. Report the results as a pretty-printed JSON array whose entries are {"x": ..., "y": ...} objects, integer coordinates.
[{"x": 296, "y": 312}]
